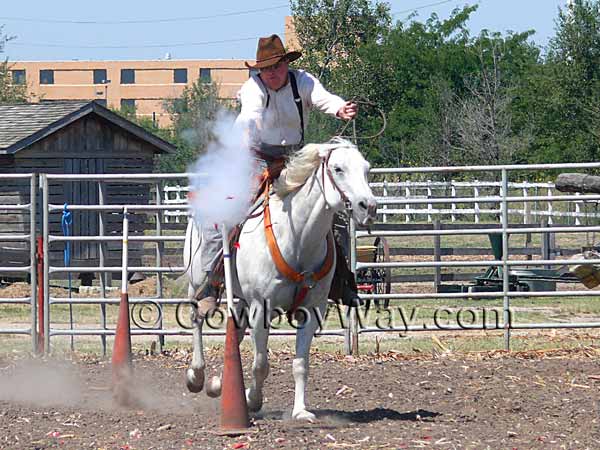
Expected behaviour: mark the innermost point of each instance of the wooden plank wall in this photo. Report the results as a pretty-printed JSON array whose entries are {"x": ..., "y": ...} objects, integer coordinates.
[{"x": 88, "y": 146}]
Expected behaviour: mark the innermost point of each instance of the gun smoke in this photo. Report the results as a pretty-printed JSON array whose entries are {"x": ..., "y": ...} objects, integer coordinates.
[{"x": 223, "y": 180}]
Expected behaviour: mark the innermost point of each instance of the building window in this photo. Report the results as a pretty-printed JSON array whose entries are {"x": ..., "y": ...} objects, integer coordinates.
[
  {"x": 100, "y": 76},
  {"x": 128, "y": 105},
  {"x": 253, "y": 72},
  {"x": 101, "y": 101},
  {"x": 127, "y": 76},
  {"x": 180, "y": 76},
  {"x": 205, "y": 75},
  {"x": 18, "y": 76},
  {"x": 46, "y": 76}
]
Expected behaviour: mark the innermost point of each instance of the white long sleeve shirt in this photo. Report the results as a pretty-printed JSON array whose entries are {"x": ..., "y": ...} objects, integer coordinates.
[{"x": 279, "y": 122}]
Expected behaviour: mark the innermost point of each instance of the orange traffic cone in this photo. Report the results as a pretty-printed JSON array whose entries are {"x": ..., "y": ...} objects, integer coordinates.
[
  {"x": 234, "y": 409},
  {"x": 121, "y": 357}
]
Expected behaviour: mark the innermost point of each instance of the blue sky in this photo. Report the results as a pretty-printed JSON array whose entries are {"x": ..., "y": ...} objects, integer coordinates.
[{"x": 38, "y": 37}]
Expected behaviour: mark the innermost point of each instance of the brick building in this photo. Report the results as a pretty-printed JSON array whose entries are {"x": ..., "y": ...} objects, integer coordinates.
[{"x": 143, "y": 85}]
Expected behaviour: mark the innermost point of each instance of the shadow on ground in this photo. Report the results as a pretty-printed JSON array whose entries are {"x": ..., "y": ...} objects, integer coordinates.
[{"x": 360, "y": 416}]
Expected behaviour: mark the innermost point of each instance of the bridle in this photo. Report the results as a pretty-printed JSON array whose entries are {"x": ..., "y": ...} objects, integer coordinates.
[{"x": 326, "y": 169}]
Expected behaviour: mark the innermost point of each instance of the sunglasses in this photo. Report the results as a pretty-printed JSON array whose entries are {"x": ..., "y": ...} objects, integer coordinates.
[{"x": 274, "y": 67}]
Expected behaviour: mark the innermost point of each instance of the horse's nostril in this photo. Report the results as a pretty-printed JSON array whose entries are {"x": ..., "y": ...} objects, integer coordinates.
[{"x": 363, "y": 205}]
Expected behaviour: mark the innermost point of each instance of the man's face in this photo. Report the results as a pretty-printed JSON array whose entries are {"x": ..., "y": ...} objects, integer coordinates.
[{"x": 275, "y": 76}]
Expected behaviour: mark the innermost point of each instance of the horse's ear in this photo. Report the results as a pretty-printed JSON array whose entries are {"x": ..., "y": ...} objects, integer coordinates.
[{"x": 321, "y": 149}]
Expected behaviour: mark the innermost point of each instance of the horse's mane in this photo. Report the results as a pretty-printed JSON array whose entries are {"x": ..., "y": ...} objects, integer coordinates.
[{"x": 303, "y": 164}]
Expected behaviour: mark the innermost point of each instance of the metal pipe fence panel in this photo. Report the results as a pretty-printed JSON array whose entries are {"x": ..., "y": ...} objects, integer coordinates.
[
  {"x": 25, "y": 207},
  {"x": 507, "y": 265},
  {"x": 164, "y": 215},
  {"x": 157, "y": 235}
]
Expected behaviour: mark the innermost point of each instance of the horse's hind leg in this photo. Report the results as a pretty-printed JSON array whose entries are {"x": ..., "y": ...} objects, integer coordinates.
[
  {"x": 260, "y": 366},
  {"x": 304, "y": 337}
]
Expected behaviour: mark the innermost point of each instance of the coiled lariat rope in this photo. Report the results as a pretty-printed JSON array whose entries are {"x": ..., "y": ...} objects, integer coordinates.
[{"x": 362, "y": 101}]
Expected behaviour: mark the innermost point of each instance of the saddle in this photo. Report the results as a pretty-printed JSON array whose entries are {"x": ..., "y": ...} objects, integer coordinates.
[
  {"x": 264, "y": 182},
  {"x": 342, "y": 278}
]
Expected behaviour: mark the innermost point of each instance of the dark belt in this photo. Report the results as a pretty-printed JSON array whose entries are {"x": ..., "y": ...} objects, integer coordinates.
[{"x": 272, "y": 153}]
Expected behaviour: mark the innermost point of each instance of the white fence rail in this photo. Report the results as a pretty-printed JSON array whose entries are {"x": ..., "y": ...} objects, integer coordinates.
[{"x": 390, "y": 194}]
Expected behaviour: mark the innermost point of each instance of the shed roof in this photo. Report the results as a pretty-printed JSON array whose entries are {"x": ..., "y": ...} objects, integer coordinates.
[{"x": 24, "y": 124}]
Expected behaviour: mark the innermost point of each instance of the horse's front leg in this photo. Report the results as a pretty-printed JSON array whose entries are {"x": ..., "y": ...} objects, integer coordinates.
[
  {"x": 304, "y": 337},
  {"x": 260, "y": 366},
  {"x": 195, "y": 373}
]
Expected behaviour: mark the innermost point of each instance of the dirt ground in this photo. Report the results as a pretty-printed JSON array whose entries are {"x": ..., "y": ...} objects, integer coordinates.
[{"x": 494, "y": 400}]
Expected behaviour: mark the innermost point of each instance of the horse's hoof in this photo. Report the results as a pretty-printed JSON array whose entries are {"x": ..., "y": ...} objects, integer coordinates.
[
  {"x": 213, "y": 389},
  {"x": 194, "y": 380},
  {"x": 304, "y": 415},
  {"x": 254, "y": 403}
]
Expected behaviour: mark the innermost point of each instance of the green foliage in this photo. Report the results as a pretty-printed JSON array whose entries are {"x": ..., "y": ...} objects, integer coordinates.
[
  {"x": 331, "y": 34},
  {"x": 9, "y": 93},
  {"x": 568, "y": 88},
  {"x": 452, "y": 98},
  {"x": 193, "y": 115}
]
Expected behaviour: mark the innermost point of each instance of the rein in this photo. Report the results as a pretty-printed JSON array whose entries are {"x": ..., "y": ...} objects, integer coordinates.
[{"x": 307, "y": 280}]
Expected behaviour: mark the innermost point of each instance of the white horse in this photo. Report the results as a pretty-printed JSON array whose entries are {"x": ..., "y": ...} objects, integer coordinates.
[{"x": 316, "y": 184}]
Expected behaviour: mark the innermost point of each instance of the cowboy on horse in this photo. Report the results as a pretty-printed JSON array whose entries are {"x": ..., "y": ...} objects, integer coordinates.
[{"x": 275, "y": 112}]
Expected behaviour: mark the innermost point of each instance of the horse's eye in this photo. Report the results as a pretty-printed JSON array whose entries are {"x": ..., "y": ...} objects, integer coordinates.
[{"x": 338, "y": 169}]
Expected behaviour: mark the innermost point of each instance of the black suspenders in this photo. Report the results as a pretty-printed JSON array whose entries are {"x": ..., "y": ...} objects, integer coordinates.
[{"x": 297, "y": 100}]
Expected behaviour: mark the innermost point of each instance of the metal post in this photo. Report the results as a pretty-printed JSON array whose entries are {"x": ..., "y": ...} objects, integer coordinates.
[
  {"x": 160, "y": 248},
  {"x": 453, "y": 205},
  {"x": 437, "y": 256},
  {"x": 227, "y": 267},
  {"x": 550, "y": 208},
  {"x": 577, "y": 210},
  {"x": 476, "y": 207},
  {"x": 407, "y": 207},
  {"x": 429, "y": 205},
  {"x": 351, "y": 341},
  {"x": 385, "y": 194},
  {"x": 103, "y": 256},
  {"x": 525, "y": 208},
  {"x": 46, "y": 232},
  {"x": 125, "y": 252},
  {"x": 33, "y": 262},
  {"x": 505, "y": 269}
]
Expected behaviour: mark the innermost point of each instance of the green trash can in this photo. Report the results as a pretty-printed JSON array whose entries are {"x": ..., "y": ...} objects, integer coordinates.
[{"x": 496, "y": 241}]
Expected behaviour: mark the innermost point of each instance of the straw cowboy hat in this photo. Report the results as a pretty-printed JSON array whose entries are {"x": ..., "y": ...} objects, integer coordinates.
[{"x": 270, "y": 51}]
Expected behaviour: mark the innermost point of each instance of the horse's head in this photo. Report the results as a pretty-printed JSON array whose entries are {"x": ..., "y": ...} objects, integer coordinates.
[{"x": 345, "y": 174}]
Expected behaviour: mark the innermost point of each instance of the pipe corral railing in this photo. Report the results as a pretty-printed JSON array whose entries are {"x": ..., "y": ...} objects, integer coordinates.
[
  {"x": 160, "y": 237},
  {"x": 28, "y": 270}
]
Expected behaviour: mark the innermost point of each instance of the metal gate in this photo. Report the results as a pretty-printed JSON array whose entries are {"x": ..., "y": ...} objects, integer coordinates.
[{"x": 161, "y": 235}]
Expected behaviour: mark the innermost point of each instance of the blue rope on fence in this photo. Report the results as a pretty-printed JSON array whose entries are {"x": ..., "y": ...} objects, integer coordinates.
[{"x": 65, "y": 223}]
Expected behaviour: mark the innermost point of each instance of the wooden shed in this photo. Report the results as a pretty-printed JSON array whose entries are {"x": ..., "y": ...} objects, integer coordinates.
[{"x": 69, "y": 137}]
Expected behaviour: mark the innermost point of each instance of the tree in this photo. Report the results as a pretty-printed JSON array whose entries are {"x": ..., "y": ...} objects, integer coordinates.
[
  {"x": 193, "y": 115},
  {"x": 9, "y": 92},
  {"x": 330, "y": 32},
  {"x": 569, "y": 87},
  {"x": 484, "y": 123}
]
